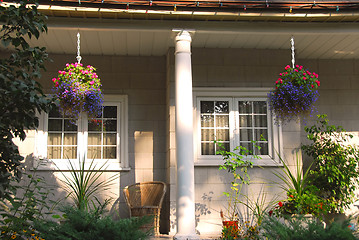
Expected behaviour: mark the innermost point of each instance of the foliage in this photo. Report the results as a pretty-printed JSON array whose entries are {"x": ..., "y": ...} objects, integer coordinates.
[
  {"x": 294, "y": 94},
  {"x": 83, "y": 184},
  {"x": 28, "y": 204},
  {"x": 78, "y": 89},
  {"x": 20, "y": 94},
  {"x": 306, "y": 203},
  {"x": 304, "y": 229},
  {"x": 236, "y": 163},
  {"x": 230, "y": 230},
  {"x": 255, "y": 212},
  {"x": 302, "y": 197},
  {"x": 335, "y": 168},
  {"x": 80, "y": 224}
]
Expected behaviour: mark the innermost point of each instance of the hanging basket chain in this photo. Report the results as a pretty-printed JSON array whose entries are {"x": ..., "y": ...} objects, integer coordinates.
[
  {"x": 292, "y": 48},
  {"x": 78, "y": 49}
]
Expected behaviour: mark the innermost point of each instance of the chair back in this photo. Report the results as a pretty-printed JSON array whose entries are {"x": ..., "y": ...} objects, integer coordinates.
[{"x": 145, "y": 194}]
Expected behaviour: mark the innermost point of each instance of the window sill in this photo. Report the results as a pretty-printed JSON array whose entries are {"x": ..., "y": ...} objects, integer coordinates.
[
  {"x": 216, "y": 162},
  {"x": 64, "y": 165}
]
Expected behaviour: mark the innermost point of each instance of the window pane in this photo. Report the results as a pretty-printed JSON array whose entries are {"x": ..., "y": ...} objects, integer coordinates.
[
  {"x": 94, "y": 152},
  {"x": 109, "y": 152},
  {"x": 260, "y": 120},
  {"x": 221, "y": 107},
  {"x": 54, "y": 113},
  {"x": 260, "y": 107},
  {"x": 70, "y": 152},
  {"x": 248, "y": 146},
  {"x": 263, "y": 149},
  {"x": 54, "y": 125},
  {"x": 70, "y": 139},
  {"x": 110, "y": 112},
  {"x": 246, "y": 135},
  {"x": 207, "y": 121},
  {"x": 94, "y": 139},
  {"x": 69, "y": 126},
  {"x": 109, "y": 138},
  {"x": 110, "y": 126},
  {"x": 207, "y": 149},
  {"x": 54, "y": 139},
  {"x": 224, "y": 146},
  {"x": 222, "y": 135},
  {"x": 259, "y": 133},
  {"x": 245, "y": 107},
  {"x": 207, "y": 135},
  {"x": 222, "y": 121},
  {"x": 54, "y": 152},
  {"x": 245, "y": 121},
  {"x": 207, "y": 107},
  {"x": 95, "y": 125}
]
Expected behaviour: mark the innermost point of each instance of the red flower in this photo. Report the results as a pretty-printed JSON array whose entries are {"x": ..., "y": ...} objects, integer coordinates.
[
  {"x": 270, "y": 213},
  {"x": 280, "y": 204},
  {"x": 291, "y": 196},
  {"x": 318, "y": 83}
]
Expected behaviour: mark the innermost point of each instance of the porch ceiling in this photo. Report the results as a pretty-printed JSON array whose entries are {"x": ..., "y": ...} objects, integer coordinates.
[{"x": 317, "y": 37}]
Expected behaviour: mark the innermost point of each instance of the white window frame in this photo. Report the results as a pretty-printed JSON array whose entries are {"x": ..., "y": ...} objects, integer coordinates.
[
  {"x": 119, "y": 164},
  {"x": 233, "y": 95}
]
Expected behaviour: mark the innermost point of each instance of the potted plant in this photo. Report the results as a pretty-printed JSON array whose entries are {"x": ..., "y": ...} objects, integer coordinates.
[
  {"x": 294, "y": 94},
  {"x": 302, "y": 197},
  {"x": 78, "y": 89},
  {"x": 335, "y": 163}
]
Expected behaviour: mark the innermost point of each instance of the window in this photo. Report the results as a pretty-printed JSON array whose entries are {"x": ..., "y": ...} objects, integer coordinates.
[
  {"x": 234, "y": 118},
  {"x": 102, "y": 138}
]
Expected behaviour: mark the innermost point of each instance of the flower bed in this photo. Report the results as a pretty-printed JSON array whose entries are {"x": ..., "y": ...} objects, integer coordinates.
[
  {"x": 79, "y": 90},
  {"x": 294, "y": 94}
]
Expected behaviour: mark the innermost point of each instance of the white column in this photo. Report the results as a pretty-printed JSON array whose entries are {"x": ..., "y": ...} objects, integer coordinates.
[{"x": 185, "y": 204}]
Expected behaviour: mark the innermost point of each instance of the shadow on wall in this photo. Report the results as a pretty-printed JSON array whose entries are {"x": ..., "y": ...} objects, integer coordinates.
[
  {"x": 201, "y": 209},
  {"x": 53, "y": 183}
]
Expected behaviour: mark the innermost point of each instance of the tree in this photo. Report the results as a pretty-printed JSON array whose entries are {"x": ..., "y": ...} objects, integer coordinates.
[{"x": 20, "y": 94}]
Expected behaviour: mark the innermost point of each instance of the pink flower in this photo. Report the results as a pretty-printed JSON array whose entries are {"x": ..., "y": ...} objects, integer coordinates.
[
  {"x": 74, "y": 90},
  {"x": 280, "y": 74},
  {"x": 296, "y": 70},
  {"x": 318, "y": 83},
  {"x": 88, "y": 66},
  {"x": 281, "y": 81},
  {"x": 308, "y": 73},
  {"x": 304, "y": 74},
  {"x": 56, "y": 84},
  {"x": 304, "y": 78},
  {"x": 301, "y": 67},
  {"x": 67, "y": 65},
  {"x": 297, "y": 66},
  {"x": 312, "y": 86},
  {"x": 60, "y": 72},
  {"x": 54, "y": 80},
  {"x": 287, "y": 67},
  {"x": 92, "y": 82}
]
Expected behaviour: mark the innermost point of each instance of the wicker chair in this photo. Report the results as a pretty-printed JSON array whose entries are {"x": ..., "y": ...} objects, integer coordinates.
[{"x": 146, "y": 199}]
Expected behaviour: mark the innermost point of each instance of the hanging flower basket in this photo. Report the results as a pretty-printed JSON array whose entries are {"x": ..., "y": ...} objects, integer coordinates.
[
  {"x": 79, "y": 90},
  {"x": 294, "y": 94}
]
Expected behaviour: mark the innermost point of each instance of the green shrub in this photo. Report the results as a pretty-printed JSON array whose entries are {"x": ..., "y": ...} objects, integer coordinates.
[
  {"x": 79, "y": 224},
  {"x": 304, "y": 229},
  {"x": 334, "y": 171}
]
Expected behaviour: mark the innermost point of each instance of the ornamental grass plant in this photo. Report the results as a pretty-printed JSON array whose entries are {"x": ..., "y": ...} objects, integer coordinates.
[
  {"x": 294, "y": 94},
  {"x": 78, "y": 89}
]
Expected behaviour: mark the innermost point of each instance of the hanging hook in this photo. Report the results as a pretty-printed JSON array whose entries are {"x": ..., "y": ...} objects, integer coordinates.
[
  {"x": 292, "y": 48},
  {"x": 78, "y": 49}
]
